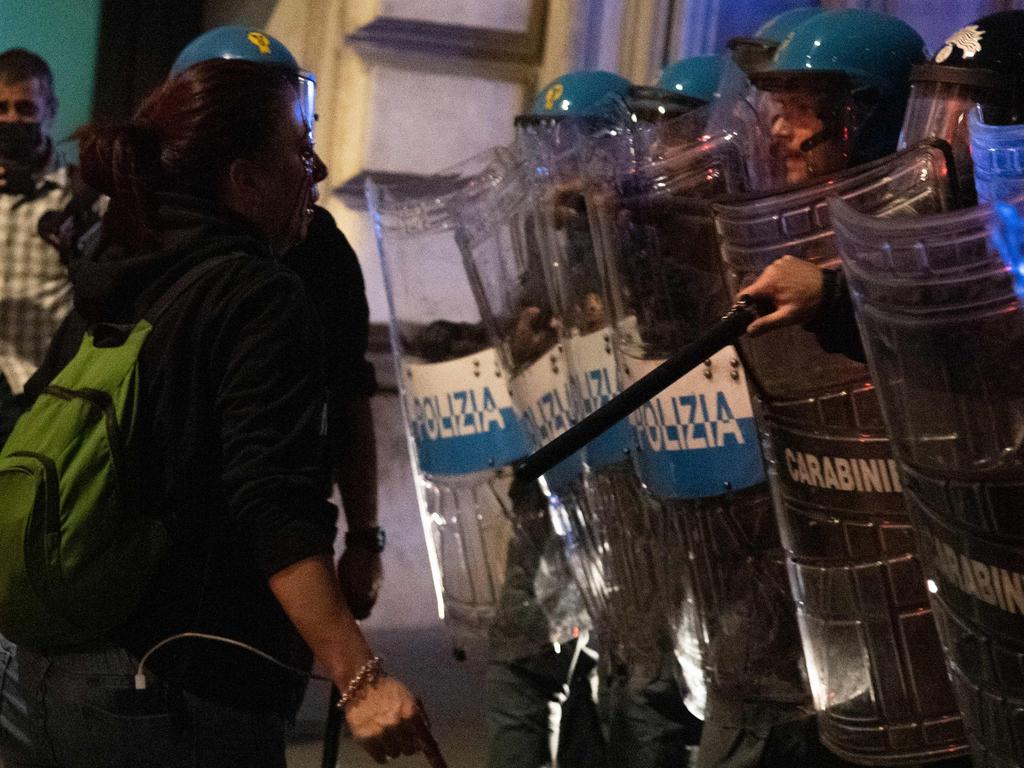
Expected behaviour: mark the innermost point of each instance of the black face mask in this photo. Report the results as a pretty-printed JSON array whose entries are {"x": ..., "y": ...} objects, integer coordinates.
[
  {"x": 20, "y": 142},
  {"x": 20, "y": 146}
]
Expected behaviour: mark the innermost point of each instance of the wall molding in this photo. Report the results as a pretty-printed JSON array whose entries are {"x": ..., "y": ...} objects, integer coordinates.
[
  {"x": 430, "y": 39},
  {"x": 427, "y": 38},
  {"x": 452, "y": 49}
]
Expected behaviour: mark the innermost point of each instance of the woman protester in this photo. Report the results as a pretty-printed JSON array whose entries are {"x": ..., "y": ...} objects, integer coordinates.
[{"x": 217, "y": 166}]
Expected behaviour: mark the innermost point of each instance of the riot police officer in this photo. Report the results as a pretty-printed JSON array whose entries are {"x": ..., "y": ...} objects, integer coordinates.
[
  {"x": 979, "y": 64},
  {"x": 833, "y": 96}
]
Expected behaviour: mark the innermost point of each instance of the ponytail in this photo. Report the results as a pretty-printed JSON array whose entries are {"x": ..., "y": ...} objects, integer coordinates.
[
  {"x": 182, "y": 140},
  {"x": 122, "y": 161}
]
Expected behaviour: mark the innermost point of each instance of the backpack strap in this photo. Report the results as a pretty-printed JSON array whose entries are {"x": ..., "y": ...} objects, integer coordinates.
[{"x": 186, "y": 281}]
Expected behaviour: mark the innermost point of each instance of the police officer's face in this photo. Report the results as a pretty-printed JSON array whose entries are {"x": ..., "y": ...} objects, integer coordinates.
[
  {"x": 26, "y": 101},
  {"x": 795, "y": 120}
]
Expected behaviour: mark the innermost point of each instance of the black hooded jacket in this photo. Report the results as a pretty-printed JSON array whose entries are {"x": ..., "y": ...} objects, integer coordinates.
[
  {"x": 334, "y": 282},
  {"x": 228, "y": 445}
]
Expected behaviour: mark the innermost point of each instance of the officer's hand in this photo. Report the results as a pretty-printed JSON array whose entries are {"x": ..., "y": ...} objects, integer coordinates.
[
  {"x": 532, "y": 334},
  {"x": 360, "y": 573},
  {"x": 386, "y": 720},
  {"x": 793, "y": 286},
  {"x": 570, "y": 207}
]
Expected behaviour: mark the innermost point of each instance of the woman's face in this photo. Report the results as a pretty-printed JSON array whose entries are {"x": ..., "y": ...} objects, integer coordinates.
[{"x": 289, "y": 171}]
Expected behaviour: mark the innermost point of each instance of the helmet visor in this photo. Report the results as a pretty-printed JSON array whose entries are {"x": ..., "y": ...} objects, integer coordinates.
[
  {"x": 307, "y": 100},
  {"x": 653, "y": 105},
  {"x": 938, "y": 110},
  {"x": 751, "y": 54},
  {"x": 812, "y": 120}
]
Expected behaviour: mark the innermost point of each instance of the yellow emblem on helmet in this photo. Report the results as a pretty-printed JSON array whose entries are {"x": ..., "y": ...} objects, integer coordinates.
[
  {"x": 553, "y": 94},
  {"x": 260, "y": 40}
]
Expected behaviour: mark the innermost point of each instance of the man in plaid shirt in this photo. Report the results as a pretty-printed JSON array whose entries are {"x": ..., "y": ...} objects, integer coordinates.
[{"x": 35, "y": 292}]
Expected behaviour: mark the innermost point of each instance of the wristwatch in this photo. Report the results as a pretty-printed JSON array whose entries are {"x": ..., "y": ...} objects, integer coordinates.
[{"x": 371, "y": 539}]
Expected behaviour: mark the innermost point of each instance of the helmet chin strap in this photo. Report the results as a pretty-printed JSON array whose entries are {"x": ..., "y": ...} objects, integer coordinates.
[
  {"x": 826, "y": 134},
  {"x": 862, "y": 100}
]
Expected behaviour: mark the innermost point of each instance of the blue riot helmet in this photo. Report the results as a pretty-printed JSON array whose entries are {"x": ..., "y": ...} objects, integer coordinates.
[
  {"x": 569, "y": 109},
  {"x": 683, "y": 87},
  {"x": 576, "y": 95},
  {"x": 696, "y": 77},
  {"x": 835, "y": 91},
  {"x": 248, "y": 44},
  {"x": 757, "y": 50},
  {"x": 779, "y": 27},
  {"x": 746, "y": 55}
]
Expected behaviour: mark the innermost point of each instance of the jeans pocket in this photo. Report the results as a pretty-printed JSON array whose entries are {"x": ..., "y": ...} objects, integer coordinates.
[{"x": 134, "y": 729}]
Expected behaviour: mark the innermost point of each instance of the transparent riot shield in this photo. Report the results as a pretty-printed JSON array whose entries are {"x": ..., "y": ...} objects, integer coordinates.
[
  {"x": 869, "y": 640},
  {"x": 498, "y": 235},
  {"x": 756, "y": 230},
  {"x": 628, "y": 557},
  {"x": 998, "y": 153},
  {"x": 944, "y": 334},
  {"x": 695, "y": 446},
  {"x": 462, "y": 427}
]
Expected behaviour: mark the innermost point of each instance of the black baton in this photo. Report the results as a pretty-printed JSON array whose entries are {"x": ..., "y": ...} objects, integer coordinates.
[
  {"x": 726, "y": 331},
  {"x": 332, "y": 732}
]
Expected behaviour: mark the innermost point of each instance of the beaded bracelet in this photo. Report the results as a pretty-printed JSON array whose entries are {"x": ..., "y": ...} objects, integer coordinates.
[{"x": 370, "y": 671}]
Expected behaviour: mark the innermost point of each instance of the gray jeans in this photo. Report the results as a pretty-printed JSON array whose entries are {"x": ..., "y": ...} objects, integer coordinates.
[
  {"x": 80, "y": 710},
  {"x": 519, "y": 719},
  {"x": 648, "y": 724}
]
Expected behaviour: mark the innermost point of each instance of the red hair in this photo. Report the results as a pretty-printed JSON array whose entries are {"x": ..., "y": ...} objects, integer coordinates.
[{"x": 183, "y": 139}]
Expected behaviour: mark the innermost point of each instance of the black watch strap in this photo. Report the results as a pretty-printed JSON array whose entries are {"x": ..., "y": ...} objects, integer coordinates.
[{"x": 371, "y": 539}]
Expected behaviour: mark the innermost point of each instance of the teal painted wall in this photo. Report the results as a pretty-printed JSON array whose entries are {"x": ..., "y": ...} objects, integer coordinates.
[{"x": 65, "y": 33}]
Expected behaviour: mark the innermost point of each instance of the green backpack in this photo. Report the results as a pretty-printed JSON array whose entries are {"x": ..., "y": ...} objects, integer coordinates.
[{"x": 77, "y": 551}]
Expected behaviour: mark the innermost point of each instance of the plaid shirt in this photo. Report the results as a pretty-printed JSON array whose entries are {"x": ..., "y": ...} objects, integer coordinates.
[{"x": 35, "y": 292}]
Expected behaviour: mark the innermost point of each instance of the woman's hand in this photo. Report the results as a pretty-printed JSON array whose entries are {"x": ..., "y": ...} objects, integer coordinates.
[
  {"x": 383, "y": 716},
  {"x": 794, "y": 288},
  {"x": 386, "y": 720},
  {"x": 533, "y": 335}
]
